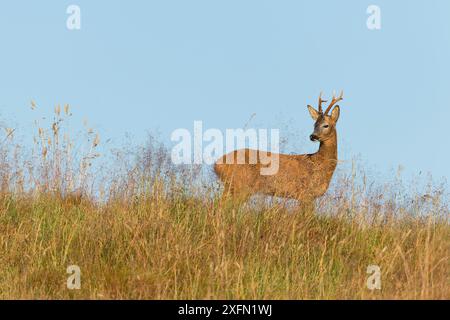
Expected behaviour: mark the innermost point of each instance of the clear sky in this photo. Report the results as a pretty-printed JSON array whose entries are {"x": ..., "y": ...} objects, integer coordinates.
[{"x": 139, "y": 66}]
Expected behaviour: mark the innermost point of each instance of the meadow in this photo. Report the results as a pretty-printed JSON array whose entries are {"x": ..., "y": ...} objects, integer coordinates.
[{"x": 141, "y": 228}]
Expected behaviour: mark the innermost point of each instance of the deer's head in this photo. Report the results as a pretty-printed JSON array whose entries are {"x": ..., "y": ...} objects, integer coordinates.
[{"x": 325, "y": 125}]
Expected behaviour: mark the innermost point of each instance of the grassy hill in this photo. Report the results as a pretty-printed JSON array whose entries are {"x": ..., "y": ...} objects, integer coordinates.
[{"x": 144, "y": 234}]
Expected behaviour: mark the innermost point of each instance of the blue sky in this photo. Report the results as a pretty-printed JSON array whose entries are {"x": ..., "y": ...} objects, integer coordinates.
[{"x": 140, "y": 66}]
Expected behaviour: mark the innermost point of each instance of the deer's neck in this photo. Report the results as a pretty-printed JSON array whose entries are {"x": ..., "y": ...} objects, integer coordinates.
[{"x": 327, "y": 153}]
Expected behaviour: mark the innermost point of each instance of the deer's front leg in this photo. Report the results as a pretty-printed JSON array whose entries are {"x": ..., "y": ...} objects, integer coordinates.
[{"x": 307, "y": 206}]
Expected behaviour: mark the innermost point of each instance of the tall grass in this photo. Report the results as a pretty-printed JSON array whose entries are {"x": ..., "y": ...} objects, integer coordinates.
[{"x": 141, "y": 228}]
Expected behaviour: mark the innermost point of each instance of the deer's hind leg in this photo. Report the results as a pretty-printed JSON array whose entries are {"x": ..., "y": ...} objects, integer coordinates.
[{"x": 235, "y": 194}]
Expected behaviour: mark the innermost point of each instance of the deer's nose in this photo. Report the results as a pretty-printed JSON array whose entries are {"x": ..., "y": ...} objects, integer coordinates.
[{"x": 313, "y": 137}]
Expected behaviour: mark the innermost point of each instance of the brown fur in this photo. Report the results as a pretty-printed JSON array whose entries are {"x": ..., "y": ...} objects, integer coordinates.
[{"x": 302, "y": 177}]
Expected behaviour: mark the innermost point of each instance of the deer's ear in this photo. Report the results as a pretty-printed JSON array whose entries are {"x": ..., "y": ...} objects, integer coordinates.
[
  {"x": 335, "y": 114},
  {"x": 313, "y": 112}
]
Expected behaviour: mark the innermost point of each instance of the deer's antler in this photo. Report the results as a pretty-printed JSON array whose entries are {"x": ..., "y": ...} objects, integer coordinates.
[
  {"x": 334, "y": 101},
  {"x": 320, "y": 103}
]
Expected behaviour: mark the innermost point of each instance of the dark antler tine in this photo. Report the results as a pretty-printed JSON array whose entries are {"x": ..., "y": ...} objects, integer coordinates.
[
  {"x": 334, "y": 101},
  {"x": 320, "y": 103}
]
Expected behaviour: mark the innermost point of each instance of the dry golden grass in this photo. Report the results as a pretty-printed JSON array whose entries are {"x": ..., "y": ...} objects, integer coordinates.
[{"x": 150, "y": 238}]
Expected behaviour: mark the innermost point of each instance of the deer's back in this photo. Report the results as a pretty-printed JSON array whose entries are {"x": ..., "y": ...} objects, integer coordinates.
[{"x": 298, "y": 176}]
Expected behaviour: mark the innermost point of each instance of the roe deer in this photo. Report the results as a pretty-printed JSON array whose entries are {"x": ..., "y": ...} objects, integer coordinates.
[{"x": 302, "y": 177}]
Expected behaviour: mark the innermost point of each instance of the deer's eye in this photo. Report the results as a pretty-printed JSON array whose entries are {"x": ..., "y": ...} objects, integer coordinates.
[{"x": 326, "y": 126}]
